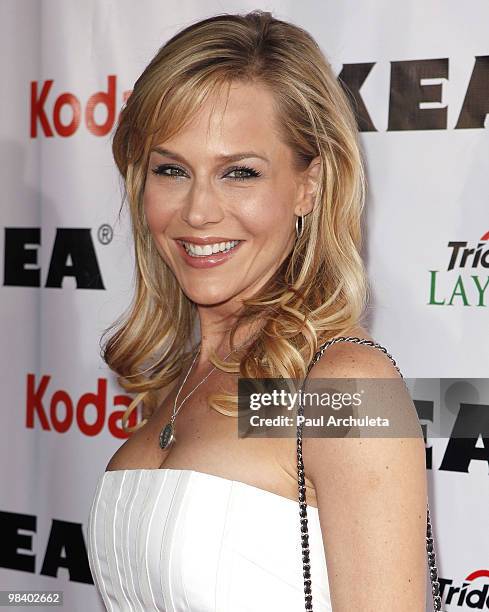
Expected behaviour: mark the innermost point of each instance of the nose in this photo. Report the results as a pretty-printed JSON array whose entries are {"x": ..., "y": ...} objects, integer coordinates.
[{"x": 202, "y": 206}]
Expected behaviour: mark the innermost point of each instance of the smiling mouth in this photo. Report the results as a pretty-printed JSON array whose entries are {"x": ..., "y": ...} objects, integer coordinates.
[{"x": 204, "y": 250}]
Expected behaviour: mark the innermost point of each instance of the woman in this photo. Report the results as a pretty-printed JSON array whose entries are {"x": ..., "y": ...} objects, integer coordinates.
[{"x": 245, "y": 184}]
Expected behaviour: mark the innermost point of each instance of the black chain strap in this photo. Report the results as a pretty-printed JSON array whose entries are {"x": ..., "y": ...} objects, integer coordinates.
[{"x": 306, "y": 561}]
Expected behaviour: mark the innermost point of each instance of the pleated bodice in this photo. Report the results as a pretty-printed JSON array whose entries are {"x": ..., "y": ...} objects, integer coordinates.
[{"x": 177, "y": 540}]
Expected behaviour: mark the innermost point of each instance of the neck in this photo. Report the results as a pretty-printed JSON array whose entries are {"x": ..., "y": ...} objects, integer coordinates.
[{"x": 217, "y": 340}]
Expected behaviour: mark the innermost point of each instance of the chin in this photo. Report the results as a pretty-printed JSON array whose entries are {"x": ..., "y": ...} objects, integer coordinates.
[{"x": 208, "y": 298}]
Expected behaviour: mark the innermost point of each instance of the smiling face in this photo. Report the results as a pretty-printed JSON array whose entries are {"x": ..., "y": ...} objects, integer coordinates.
[{"x": 196, "y": 193}]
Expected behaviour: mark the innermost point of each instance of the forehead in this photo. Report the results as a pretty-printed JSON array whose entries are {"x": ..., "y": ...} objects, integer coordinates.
[{"x": 240, "y": 117}]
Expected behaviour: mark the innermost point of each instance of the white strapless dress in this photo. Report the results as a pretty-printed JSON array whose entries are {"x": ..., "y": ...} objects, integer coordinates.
[{"x": 177, "y": 540}]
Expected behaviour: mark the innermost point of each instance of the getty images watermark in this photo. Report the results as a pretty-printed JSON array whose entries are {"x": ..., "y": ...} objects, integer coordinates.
[
  {"x": 363, "y": 407},
  {"x": 336, "y": 401}
]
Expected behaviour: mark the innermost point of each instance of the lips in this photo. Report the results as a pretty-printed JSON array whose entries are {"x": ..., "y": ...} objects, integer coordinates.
[
  {"x": 207, "y": 261},
  {"x": 200, "y": 250}
]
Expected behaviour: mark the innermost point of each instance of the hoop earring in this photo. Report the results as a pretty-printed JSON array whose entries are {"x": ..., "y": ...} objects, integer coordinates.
[{"x": 298, "y": 231}]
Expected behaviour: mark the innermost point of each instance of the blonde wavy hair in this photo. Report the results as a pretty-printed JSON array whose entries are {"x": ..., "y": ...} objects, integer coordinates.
[{"x": 320, "y": 290}]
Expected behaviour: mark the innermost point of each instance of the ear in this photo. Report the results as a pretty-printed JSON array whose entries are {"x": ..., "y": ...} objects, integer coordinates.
[{"x": 308, "y": 187}]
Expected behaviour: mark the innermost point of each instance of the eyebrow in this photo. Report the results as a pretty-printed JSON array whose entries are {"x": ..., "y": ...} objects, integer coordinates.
[{"x": 231, "y": 157}]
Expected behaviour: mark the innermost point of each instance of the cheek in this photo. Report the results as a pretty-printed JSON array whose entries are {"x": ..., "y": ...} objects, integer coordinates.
[
  {"x": 156, "y": 213},
  {"x": 157, "y": 221},
  {"x": 268, "y": 217}
]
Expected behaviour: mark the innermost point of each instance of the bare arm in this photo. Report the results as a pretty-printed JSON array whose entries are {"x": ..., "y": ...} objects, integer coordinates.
[{"x": 372, "y": 496}]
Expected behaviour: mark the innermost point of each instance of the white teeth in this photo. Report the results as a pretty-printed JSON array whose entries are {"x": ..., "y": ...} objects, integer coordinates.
[{"x": 199, "y": 250}]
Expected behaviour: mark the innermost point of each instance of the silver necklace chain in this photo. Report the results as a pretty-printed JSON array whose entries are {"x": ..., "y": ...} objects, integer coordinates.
[
  {"x": 167, "y": 434},
  {"x": 185, "y": 379}
]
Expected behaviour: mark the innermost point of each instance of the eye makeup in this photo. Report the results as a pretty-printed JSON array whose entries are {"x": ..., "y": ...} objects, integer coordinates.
[{"x": 161, "y": 169}]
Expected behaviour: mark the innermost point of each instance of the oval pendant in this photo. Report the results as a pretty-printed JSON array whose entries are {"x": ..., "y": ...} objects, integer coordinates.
[{"x": 167, "y": 436}]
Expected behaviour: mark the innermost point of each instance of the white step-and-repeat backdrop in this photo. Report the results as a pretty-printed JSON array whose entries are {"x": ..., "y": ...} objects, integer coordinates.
[{"x": 420, "y": 74}]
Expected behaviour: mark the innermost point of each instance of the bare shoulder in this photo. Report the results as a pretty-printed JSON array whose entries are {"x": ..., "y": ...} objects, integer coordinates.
[
  {"x": 351, "y": 360},
  {"x": 354, "y": 360}
]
